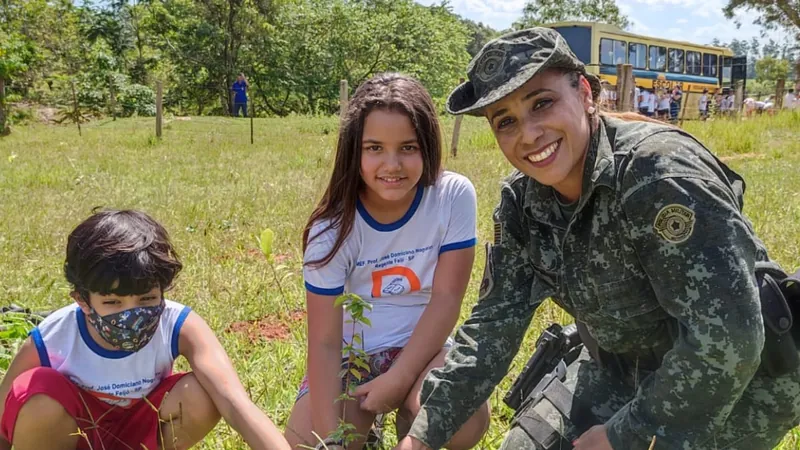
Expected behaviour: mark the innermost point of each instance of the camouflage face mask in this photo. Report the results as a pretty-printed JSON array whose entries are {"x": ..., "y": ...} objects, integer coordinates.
[{"x": 129, "y": 330}]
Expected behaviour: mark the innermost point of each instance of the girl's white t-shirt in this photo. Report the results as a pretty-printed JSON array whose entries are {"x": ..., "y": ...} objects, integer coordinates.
[
  {"x": 116, "y": 377},
  {"x": 391, "y": 266}
]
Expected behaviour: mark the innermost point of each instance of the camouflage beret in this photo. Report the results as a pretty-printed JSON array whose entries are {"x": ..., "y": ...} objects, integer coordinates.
[{"x": 506, "y": 63}]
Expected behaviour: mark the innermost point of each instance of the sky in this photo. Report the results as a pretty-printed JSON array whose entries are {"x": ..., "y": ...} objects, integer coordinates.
[{"x": 697, "y": 21}]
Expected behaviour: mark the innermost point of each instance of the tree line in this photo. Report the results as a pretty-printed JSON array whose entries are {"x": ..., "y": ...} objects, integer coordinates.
[{"x": 294, "y": 52}]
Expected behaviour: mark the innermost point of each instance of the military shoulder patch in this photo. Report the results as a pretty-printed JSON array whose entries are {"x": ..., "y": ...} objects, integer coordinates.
[
  {"x": 487, "y": 284},
  {"x": 498, "y": 233},
  {"x": 674, "y": 223}
]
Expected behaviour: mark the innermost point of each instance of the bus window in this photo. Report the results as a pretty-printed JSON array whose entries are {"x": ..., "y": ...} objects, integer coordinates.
[
  {"x": 658, "y": 58},
  {"x": 693, "y": 63},
  {"x": 579, "y": 40},
  {"x": 676, "y": 60},
  {"x": 612, "y": 52},
  {"x": 709, "y": 65},
  {"x": 637, "y": 55},
  {"x": 727, "y": 74}
]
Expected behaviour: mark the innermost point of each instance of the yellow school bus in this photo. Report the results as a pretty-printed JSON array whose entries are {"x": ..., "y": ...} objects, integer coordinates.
[{"x": 658, "y": 64}]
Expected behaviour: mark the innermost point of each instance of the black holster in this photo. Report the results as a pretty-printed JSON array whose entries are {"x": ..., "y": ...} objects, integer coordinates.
[
  {"x": 576, "y": 416},
  {"x": 780, "y": 302}
]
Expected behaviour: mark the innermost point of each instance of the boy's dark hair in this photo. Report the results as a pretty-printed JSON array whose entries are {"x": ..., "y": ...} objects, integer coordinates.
[
  {"x": 388, "y": 92},
  {"x": 120, "y": 252}
]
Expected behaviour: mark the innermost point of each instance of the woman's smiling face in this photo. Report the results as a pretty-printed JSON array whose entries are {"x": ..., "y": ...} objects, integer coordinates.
[{"x": 542, "y": 128}]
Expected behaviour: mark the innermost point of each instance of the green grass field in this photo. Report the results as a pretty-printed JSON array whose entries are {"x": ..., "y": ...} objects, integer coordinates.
[{"x": 215, "y": 192}]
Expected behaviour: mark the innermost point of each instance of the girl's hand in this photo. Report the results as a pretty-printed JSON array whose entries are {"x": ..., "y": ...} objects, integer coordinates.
[
  {"x": 409, "y": 443},
  {"x": 383, "y": 394},
  {"x": 593, "y": 439}
]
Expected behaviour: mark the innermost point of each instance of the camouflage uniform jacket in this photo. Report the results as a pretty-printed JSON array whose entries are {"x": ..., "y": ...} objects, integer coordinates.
[{"x": 657, "y": 244}]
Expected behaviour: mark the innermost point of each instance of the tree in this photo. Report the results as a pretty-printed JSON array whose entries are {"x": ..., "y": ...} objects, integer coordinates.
[
  {"x": 16, "y": 54},
  {"x": 479, "y": 35},
  {"x": 315, "y": 43},
  {"x": 755, "y": 48},
  {"x": 204, "y": 39},
  {"x": 771, "y": 49},
  {"x": 538, "y": 12},
  {"x": 770, "y": 14},
  {"x": 739, "y": 48},
  {"x": 772, "y": 69},
  {"x": 294, "y": 52}
]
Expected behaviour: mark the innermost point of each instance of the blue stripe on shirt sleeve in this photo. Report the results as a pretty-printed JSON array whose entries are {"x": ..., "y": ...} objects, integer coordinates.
[
  {"x": 322, "y": 291},
  {"x": 458, "y": 245},
  {"x": 44, "y": 359},
  {"x": 176, "y": 331}
]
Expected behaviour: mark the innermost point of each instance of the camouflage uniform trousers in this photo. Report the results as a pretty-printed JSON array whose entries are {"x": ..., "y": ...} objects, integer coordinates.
[{"x": 759, "y": 421}]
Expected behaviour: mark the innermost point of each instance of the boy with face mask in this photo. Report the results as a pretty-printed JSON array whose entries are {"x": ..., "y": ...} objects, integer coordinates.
[{"x": 104, "y": 366}]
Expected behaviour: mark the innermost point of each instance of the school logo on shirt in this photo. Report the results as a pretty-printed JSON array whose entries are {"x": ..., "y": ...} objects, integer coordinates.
[
  {"x": 395, "y": 280},
  {"x": 675, "y": 223}
]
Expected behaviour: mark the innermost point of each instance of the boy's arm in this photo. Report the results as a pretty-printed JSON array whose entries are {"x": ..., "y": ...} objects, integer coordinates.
[
  {"x": 216, "y": 374},
  {"x": 27, "y": 358}
]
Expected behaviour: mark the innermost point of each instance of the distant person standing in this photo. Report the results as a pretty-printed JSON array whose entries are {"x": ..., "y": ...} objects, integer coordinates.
[
  {"x": 675, "y": 103},
  {"x": 663, "y": 105},
  {"x": 789, "y": 100},
  {"x": 703, "y": 105},
  {"x": 652, "y": 101},
  {"x": 637, "y": 97},
  {"x": 239, "y": 88},
  {"x": 644, "y": 100}
]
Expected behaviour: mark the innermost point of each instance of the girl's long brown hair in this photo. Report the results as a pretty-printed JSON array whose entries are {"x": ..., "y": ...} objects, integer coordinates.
[{"x": 392, "y": 92}]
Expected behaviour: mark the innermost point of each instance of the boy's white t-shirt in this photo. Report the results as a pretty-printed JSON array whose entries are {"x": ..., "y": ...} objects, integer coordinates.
[
  {"x": 116, "y": 377},
  {"x": 703, "y": 102},
  {"x": 392, "y": 265}
]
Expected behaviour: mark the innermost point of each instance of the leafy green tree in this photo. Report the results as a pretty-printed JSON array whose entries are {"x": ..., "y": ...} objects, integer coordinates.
[
  {"x": 770, "y": 14},
  {"x": 539, "y": 12},
  {"x": 479, "y": 35},
  {"x": 313, "y": 44},
  {"x": 772, "y": 69},
  {"x": 15, "y": 56}
]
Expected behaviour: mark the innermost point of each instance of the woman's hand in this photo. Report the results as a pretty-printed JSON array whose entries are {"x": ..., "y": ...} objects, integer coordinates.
[
  {"x": 594, "y": 439},
  {"x": 385, "y": 393}
]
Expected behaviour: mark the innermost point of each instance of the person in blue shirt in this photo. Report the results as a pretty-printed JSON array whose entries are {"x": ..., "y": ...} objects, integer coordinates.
[{"x": 240, "y": 87}]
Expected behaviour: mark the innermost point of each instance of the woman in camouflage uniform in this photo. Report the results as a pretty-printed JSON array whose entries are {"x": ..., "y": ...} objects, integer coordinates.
[{"x": 637, "y": 231}]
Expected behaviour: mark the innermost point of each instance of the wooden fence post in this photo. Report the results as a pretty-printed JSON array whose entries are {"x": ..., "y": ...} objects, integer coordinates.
[
  {"x": 779, "y": 89},
  {"x": 343, "y": 98},
  {"x": 159, "y": 107},
  {"x": 625, "y": 87},
  {"x": 3, "y": 129},
  {"x": 456, "y": 130},
  {"x": 738, "y": 98},
  {"x": 76, "y": 111},
  {"x": 112, "y": 97}
]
